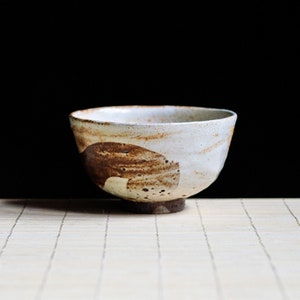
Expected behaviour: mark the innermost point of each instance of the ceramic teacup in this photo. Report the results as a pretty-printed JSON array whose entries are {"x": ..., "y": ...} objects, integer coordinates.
[{"x": 153, "y": 157}]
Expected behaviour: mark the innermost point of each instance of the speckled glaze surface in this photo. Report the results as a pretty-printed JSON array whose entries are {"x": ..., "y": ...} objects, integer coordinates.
[{"x": 150, "y": 155}]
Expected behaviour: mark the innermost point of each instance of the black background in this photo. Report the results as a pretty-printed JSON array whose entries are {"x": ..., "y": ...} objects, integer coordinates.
[{"x": 62, "y": 57}]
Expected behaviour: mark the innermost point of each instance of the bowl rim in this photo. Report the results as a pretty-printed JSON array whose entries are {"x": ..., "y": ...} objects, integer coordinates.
[{"x": 231, "y": 114}]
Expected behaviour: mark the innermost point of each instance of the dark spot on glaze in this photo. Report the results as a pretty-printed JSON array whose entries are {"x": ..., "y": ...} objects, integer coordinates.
[
  {"x": 144, "y": 168},
  {"x": 145, "y": 190}
]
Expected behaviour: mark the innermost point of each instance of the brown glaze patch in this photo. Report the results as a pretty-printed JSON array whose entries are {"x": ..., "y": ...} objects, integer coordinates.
[
  {"x": 142, "y": 167},
  {"x": 210, "y": 148},
  {"x": 158, "y": 135},
  {"x": 83, "y": 130},
  {"x": 80, "y": 141},
  {"x": 230, "y": 137},
  {"x": 87, "y": 131}
]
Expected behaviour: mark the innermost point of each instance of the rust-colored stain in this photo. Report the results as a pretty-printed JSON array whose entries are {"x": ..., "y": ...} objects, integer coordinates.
[
  {"x": 230, "y": 137},
  {"x": 84, "y": 131},
  {"x": 210, "y": 148},
  {"x": 80, "y": 141},
  {"x": 142, "y": 167}
]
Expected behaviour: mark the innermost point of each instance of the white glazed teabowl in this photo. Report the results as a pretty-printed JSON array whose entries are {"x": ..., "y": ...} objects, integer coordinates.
[{"x": 153, "y": 157}]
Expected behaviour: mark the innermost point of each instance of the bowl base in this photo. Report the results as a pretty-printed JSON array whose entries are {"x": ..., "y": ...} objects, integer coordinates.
[{"x": 164, "y": 207}]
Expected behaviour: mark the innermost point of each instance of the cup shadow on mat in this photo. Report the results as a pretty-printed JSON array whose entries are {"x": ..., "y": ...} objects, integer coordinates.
[{"x": 80, "y": 206}]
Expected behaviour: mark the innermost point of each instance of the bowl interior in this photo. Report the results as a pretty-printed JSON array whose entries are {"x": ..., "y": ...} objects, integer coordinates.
[{"x": 151, "y": 114}]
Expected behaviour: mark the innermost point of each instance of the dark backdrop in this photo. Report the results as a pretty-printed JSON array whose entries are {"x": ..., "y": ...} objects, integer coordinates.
[{"x": 60, "y": 58}]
